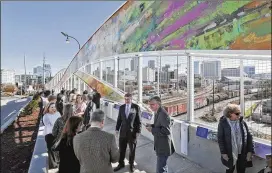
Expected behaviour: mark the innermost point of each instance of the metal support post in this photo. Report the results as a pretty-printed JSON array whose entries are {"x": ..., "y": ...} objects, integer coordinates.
[
  {"x": 158, "y": 75},
  {"x": 140, "y": 79},
  {"x": 242, "y": 96},
  {"x": 190, "y": 89},
  {"x": 101, "y": 70},
  {"x": 115, "y": 72},
  {"x": 84, "y": 84}
]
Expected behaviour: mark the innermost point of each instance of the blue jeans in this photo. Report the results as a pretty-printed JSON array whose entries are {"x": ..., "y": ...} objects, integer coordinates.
[{"x": 162, "y": 164}]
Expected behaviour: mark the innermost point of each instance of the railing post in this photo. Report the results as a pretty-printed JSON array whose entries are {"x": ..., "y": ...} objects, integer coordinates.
[
  {"x": 84, "y": 84},
  {"x": 140, "y": 79},
  {"x": 100, "y": 70},
  {"x": 242, "y": 99},
  {"x": 71, "y": 82},
  {"x": 115, "y": 72},
  {"x": 158, "y": 75},
  {"x": 190, "y": 88}
]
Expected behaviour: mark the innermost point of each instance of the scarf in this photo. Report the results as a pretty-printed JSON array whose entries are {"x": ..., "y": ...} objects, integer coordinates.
[{"x": 236, "y": 138}]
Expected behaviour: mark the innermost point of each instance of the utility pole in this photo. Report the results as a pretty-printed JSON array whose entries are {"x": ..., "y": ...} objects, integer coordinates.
[
  {"x": 25, "y": 72},
  {"x": 43, "y": 78}
]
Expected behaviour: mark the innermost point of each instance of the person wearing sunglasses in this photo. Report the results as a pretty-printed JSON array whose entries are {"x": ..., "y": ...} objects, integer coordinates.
[{"x": 235, "y": 141}]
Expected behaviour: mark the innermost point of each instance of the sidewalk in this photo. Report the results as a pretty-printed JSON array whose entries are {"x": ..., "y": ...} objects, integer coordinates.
[{"x": 145, "y": 159}]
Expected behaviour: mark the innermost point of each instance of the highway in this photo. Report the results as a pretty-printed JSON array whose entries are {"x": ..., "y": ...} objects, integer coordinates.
[{"x": 11, "y": 109}]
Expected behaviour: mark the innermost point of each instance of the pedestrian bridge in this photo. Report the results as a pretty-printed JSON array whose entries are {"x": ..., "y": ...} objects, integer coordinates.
[{"x": 195, "y": 143}]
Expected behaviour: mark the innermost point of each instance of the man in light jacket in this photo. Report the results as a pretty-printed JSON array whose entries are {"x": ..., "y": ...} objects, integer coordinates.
[
  {"x": 94, "y": 148},
  {"x": 161, "y": 132}
]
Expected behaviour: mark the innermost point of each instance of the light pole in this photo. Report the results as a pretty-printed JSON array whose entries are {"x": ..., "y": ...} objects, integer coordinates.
[{"x": 67, "y": 39}]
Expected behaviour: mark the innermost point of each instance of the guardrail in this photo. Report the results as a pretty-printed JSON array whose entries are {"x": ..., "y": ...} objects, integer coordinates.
[
  {"x": 13, "y": 118},
  {"x": 191, "y": 140}
]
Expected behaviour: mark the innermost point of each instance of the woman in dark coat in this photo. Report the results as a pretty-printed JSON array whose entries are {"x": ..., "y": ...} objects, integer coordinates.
[
  {"x": 235, "y": 140},
  {"x": 68, "y": 160}
]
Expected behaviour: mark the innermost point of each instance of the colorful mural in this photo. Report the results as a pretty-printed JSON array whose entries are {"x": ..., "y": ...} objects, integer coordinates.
[
  {"x": 178, "y": 25},
  {"x": 106, "y": 91}
]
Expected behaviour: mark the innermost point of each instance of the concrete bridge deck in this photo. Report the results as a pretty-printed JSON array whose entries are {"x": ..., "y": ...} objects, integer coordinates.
[{"x": 145, "y": 159}]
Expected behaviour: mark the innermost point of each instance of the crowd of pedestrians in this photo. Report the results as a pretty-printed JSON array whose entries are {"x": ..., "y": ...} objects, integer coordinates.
[{"x": 76, "y": 142}]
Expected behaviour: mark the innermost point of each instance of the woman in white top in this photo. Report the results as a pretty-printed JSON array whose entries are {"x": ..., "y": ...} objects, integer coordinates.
[{"x": 49, "y": 120}]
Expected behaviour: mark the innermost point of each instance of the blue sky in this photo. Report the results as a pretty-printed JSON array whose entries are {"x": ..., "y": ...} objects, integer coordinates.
[{"x": 34, "y": 28}]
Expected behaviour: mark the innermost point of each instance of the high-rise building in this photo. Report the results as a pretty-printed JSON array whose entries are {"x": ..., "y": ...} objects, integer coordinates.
[
  {"x": 148, "y": 74},
  {"x": 7, "y": 76},
  {"x": 196, "y": 67},
  {"x": 211, "y": 69},
  {"x": 134, "y": 64},
  {"x": 151, "y": 64},
  {"x": 232, "y": 72},
  {"x": 250, "y": 70},
  {"x": 38, "y": 71}
]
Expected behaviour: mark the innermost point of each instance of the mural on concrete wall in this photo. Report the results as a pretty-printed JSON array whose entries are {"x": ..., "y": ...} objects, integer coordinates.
[
  {"x": 106, "y": 92},
  {"x": 176, "y": 25}
]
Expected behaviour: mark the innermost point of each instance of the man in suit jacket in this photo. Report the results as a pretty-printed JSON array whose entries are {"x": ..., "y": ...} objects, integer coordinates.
[
  {"x": 129, "y": 124},
  {"x": 94, "y": 148},
  {"x": 161, "y": 132}
]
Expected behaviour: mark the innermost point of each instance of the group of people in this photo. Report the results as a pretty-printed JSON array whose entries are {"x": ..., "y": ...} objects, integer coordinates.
[{"x": 76, "y": 142}]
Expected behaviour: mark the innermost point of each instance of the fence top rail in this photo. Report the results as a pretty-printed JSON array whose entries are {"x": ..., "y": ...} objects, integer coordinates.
[{"x": 263, "y": 55}]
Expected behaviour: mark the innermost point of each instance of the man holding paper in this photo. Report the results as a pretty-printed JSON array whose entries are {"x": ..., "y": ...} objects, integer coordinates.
[{"x": 161, "y": 132}]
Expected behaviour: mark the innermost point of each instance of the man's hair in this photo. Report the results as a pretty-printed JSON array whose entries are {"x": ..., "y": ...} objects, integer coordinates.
[
  {"x": 98, "y": 116},
  {"x": 156, "y": 99},
  {"x": 85, "y": 92},
  {"x": 90, "y": 97},
  {"x": 128, "y": 95},
  {"x": 52, "y": 97},
  {"x": 47, "y": 93}
]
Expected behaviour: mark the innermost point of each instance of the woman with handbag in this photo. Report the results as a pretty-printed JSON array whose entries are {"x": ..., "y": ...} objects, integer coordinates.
[
  {"x": 68, "y": 160},
  {"x": 235, "y": 141}
]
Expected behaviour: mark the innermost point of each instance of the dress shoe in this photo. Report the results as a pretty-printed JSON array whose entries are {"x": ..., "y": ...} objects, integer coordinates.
[
  {"x": 132, "y": 168},
  {"x": 118, "y": 168}
]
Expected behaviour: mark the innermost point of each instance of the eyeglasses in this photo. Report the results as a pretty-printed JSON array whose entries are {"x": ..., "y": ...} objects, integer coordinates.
[{"x": 238, "y": 113}]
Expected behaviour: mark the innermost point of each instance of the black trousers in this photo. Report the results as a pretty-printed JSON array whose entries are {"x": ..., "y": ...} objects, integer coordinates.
[
  {"x": 49, "y": 138},
  {"x": 123, "y": 141},
  {"x": 240, "y": 166}
]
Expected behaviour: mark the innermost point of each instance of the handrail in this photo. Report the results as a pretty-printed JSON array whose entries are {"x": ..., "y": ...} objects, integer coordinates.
[{"x": 229, "y": 54}]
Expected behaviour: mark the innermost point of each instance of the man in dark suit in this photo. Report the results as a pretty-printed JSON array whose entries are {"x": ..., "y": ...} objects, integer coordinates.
[
  {"x": 96, "y": 98},
  {"x": 161, "y": 132},
  {"x": 129, "y": 124}
]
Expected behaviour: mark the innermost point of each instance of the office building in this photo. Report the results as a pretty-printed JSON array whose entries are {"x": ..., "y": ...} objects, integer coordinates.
[
  {"x": 38, "y": 71},
  {"x": 148, "y": 74},
  {"x": 211, "y": 70},
  {"x": 196, "y": 67},
  {"x": 7, "y": 76},
  {"x": 134, "y": 64},
  {"x": 151, "y": 64},
  {"x": 232, "y": 72},
  {"x": 250, "y": 70}
]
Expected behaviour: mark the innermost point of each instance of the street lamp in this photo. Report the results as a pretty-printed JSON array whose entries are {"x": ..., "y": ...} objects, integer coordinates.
[{"x": 67, "y": 38}]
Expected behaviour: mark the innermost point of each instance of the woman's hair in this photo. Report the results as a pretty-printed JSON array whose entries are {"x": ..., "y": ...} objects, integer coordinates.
[
  {"x": 230, "y": 108},
  {"x": 67, "y": 112},
  {"x": 78, "y": 95},
  {"x": 50, "y": 105},
  {"x": 59, "y": 103},
  {"x": 69, "y": 130}
]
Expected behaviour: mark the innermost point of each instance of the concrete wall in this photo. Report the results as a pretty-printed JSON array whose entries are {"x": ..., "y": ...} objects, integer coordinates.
[
  {"x": 39, "y": 160},
  {"x": 201, "y": 151}
]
